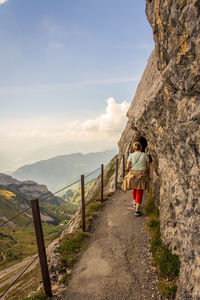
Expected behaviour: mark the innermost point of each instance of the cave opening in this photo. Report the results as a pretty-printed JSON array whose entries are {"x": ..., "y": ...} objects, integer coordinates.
[{"x": 143, "y": 142}]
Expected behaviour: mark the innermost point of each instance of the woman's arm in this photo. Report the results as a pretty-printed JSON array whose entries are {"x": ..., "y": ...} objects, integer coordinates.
[
  {"x": 148, "y": 167},
  {"x": 128, "y": 166}
]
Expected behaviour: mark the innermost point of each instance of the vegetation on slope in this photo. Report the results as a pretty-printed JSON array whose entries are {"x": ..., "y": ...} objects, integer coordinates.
[
  {"x": 10, "y": 202},
  {"x": 74, "y": 197},
  {"x": 167, "y": 264},
  {"x": 19, "y": 243},
  {"x": 70, "y": 249},
  {"x": 17, "y": 238}
]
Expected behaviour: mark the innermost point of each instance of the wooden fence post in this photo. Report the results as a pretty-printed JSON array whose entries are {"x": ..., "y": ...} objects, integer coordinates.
[
  {"x": 83, "y": 201},
  {"x": 102, "y": 183},
  {"x": 41, "y": 246},
  {"x": 116, "y": 176}
]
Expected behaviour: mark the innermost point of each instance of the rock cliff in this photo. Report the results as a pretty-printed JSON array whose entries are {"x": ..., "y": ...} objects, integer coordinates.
[
  {"x": 30, "y": 188},
  {"x": 166, "y": 112}
]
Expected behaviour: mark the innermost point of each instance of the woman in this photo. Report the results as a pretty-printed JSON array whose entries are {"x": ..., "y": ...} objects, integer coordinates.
[{"x": 138, "y": 176}]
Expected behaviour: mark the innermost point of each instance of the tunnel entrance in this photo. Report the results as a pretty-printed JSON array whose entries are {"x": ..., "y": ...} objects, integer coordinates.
[{"x": 143, "y": 142}]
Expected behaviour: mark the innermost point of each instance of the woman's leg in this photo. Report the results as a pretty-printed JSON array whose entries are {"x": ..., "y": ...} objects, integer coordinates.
[
  {"x": 134, "y": 193},
  {"x": 134, "y": 196},
  {"x": 138, "y": 199}
]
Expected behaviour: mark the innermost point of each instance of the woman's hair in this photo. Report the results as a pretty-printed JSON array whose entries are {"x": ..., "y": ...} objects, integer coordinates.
[{"x": 137, "y": 146}]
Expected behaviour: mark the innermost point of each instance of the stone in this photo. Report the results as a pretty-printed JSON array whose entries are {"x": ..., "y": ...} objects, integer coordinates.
[{"x": 166, "y": 112}]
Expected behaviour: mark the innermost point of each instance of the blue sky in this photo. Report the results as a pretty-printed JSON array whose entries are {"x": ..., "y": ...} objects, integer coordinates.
[{"x": 61, "y": 60}]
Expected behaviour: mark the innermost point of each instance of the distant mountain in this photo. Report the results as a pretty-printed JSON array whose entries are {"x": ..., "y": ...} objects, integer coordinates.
[
  {"x": 63, "y": 170},
  {"x": 15, "y": 196}
]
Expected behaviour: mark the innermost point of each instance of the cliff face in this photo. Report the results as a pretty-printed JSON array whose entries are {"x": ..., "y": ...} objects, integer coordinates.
[
  {"x": 29, "y": 188},
  {"x": 166, "y": 111}
]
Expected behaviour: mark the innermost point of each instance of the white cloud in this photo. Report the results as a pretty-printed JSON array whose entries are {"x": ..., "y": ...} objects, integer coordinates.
[
  {"x": 3, "y": 1},
  {"x": 112, "y": 121},
  {"x": 49, "y": 137},
  {"x": 107, "y": 125}
]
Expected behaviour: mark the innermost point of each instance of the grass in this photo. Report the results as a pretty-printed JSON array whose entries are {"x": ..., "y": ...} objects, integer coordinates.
[
  {"x": 65, "y": 278},
  {"x": 20, "y": 242},
  {"x": 72, "y": 245},
  {"x": 74, "y": 195},
  {"x": 90, "y": 213},
  {"x": 167, "y": 264},
  {"x": 9, "y": 209},
  {"x": 26, "y": 284},
  {"x": 3, "y": 288},
  {"x": 40, "y": 296},
  {"x": 168, "y": 289}
]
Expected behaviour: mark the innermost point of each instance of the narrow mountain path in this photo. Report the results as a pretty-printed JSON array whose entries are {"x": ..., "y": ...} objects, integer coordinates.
[
  {"x": 9, "y": 248},
  {"x": 116, "y": 264},
  {"x": 8, "y": 275}
]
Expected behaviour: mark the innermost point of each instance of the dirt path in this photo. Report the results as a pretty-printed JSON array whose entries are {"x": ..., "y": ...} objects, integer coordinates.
[{"x": 117, "y": 263}]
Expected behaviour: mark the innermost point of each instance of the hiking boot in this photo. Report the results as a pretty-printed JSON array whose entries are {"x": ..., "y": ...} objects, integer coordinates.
[{"x": 138, "y": 213}]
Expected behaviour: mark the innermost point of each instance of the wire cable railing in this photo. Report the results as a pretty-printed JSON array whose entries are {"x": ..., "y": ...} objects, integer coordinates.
[
  {"x": 47, "y": 197},
  {"x": 18, "y": 277},
  {"x": 55, "y": 237},
  {"x": 83, "y": 205},
  {"x": 29, "y": 265}
]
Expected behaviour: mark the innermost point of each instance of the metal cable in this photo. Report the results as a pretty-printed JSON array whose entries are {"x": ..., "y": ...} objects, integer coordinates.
[
  {"x": 52, "y": 194},
  {"x": 47, "y": 197},
  {"x": 18, "y": 277},
  {"x": 22, "y": 212},
  {"x": 92, "y": 172},
  {"x": 30, "y": 265}
]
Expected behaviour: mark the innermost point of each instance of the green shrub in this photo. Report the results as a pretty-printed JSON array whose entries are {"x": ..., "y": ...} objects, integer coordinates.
[
  {"x": 155, "y": 244},
  {"x": 40, "y": 296},
  {"x": 168, "y": 289},
  {"x": 65, "y": 278},
  {"x": 167, "y": 264},
  {"x": 93, "y": 207},
  {"x": 153, "y": 225},
  {"x": 72, "y": 245}
]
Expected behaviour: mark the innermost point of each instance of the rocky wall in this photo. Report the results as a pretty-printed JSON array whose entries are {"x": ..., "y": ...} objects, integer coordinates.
[{"x": 166, "y": 111}]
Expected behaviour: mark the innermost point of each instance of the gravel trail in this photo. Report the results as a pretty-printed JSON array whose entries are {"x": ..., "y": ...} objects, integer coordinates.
[{"x": 116, "y": 264}]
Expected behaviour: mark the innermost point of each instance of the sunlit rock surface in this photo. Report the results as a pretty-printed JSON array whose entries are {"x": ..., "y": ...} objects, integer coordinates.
[{"x": 166, "y": 111}]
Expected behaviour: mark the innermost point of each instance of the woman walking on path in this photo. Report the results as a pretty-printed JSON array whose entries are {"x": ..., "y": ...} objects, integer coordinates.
[{"x": 138, "y": 176}]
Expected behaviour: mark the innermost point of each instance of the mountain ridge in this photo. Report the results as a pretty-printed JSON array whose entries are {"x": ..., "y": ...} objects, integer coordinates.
[
  {"x": 53, "y": 209},
  {"x": 61, "y": 170}
]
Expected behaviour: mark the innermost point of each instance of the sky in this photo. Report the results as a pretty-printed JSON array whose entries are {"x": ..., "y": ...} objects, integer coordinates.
[{"x": 69, "y": 71}]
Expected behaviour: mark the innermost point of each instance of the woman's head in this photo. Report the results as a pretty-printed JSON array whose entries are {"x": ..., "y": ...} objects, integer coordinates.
[{"x": 137, "y": 146}]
